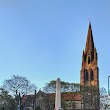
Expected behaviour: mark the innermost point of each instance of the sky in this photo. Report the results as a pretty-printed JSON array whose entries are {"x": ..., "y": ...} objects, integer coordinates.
[{"x": 43, "y": 40}]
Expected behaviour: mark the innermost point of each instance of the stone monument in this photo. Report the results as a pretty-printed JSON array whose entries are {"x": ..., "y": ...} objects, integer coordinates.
[{"x": 58, "y": 96}]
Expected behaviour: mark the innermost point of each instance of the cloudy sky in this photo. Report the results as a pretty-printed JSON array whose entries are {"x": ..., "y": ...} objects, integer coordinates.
[{"x": 44, "y": 39}]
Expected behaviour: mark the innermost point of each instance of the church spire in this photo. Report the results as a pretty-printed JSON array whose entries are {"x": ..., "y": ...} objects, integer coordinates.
[{"x": 89, "y": 41}]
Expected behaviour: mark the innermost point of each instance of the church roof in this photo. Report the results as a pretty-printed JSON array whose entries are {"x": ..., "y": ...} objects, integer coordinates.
[{"x": 67, "y": 96}]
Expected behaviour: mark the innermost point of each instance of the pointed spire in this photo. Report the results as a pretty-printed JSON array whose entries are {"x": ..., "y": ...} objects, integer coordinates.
[
  {"x": 83, "y": 56},
  {"x": 95, "y": 54},
  {"x": 89, "y": 41},
  {"x": 83, "y": 51}
]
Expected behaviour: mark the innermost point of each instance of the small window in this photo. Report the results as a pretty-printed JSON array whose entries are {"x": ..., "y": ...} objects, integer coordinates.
[
  {"x": 88, "y": 60},
  {"x": 86, "y": 75},
  {"x": 84, "y": 58},
  {"x": 91, "y": 75}
]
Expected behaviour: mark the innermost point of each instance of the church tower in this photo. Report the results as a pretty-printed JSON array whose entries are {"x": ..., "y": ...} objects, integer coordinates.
[{"x": 89, "y": 74}]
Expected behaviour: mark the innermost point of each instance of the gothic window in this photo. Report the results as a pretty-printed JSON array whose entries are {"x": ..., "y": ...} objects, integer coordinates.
[
  {"x": 89, "y": 60},
  {"x": 84, "y": 58},
  {"x": 91, "y": 75},
  {"x": 86, "y": 75}
]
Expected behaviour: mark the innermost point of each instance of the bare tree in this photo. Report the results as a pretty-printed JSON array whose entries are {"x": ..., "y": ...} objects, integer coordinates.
[
  {"x": 104, "y": 99},
  {"x": 20, "y": 84}
]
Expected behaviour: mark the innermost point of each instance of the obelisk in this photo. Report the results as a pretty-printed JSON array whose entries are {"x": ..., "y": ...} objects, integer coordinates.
[{"x": 58, "y": 95}]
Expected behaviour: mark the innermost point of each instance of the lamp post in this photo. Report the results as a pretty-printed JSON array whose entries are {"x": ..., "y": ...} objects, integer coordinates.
[
  {"x": 35, "y": 101},
  {"x": 108, "y": 84},
  {"x": 18, "y": 100}
]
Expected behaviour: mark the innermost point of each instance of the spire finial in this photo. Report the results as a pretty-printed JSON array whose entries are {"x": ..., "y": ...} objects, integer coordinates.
[{"x": 89, "y": 22}]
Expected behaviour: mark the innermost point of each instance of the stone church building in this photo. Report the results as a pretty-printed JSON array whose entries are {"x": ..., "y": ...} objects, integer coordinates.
[
  {"x": 88, "y": 96},
  {"x": 89, "y": 74}
]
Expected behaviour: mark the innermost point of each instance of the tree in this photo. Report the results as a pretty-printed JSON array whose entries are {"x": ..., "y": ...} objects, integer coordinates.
[
  {"x": 95, "y": 98},
  {"x": 90, "y": 97},
  {"x": 38, "y": 108},
  {"x": 104, "y": 99},
  {"x": 65, "y": 87},
  {"x": 103, "y": 91},
  {"x": 7, "y": 102},
  {"x": 72, "y": 88},
  {"x": 19, "y": 84}
]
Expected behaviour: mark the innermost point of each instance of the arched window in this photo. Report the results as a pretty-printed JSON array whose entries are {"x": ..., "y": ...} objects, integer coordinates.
[
  {"x": 91, "y": 75},
  {"x": 89, "y": 60},
  {"x": 85, "y": 75},
  {"x": 84, "y": 58}
]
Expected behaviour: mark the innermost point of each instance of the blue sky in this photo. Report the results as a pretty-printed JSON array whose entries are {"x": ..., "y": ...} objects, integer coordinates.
[{"x": 44, "y": 39}]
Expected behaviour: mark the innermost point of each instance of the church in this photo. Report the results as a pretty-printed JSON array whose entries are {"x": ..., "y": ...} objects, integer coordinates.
[
  {"x": 88, "y": 96},
  {"x": 89, "y": 74}
]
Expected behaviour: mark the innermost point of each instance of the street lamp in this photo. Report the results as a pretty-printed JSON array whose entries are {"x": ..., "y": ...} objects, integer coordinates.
[
  {"x": 35, "y": 100},
  {"x": 108, "y": 84},
  {"x": 19, "y": 102},
  {"x": 18, "y": 99}
]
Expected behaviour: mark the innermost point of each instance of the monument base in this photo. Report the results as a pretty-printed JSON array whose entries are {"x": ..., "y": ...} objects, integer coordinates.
[{"x": 57, "y": 109}]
